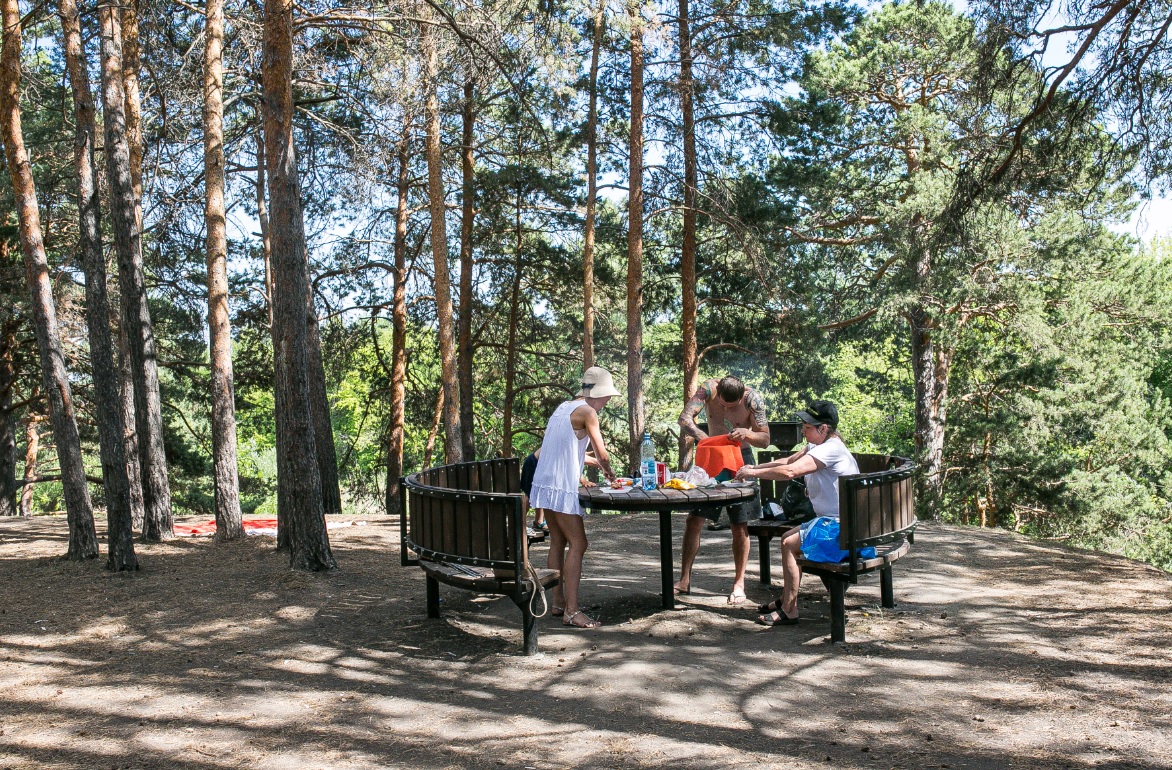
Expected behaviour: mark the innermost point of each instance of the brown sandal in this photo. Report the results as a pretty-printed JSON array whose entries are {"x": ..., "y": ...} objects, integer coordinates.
[{"x": 588, "y": 622}]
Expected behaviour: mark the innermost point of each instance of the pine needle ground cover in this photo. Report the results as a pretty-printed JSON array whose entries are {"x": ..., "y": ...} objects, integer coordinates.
[{"x": 1002, "y": 652}]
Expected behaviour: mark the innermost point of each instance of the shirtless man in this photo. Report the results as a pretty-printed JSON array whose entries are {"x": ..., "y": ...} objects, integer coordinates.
[{"x": 739, "y": 412}]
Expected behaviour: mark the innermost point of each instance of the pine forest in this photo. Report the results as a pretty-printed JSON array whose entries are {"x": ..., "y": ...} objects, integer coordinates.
[{"x": 265, "y": 257}]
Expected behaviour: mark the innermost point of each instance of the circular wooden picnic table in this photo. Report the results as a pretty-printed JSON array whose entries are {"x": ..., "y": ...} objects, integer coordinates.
[{"x": 664, "y": 501}]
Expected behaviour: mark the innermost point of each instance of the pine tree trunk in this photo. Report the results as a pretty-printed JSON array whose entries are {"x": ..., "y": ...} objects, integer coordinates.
[
  {"x": 591, "y": 195},
  {"x": 226, "y": 482},
  {"x": 108, "y": 414},
  {"x": 465, "y": 357},
  {"x": 131, "y": 64},
  {"x": 635, "y": 242},
  {"x": 262, "y": 216},
  {"x": 83, "y": 539},
  {"x": 299, "y": 492},
  {"x": 433, "y": 431},
  {"x": 453, "y": 447},
  {"x": 931, "y": 365},
  {"x": 688, "y": 250},
  {"x": 7, "y": 414},
  {"x": 399, "y": 330},
  {"x": 284, "y": 542},
  {"x": 32, "y": 446},
  {"x": 514, "y": 320},
  {"x": 158, "y": 521},
  {"x": 129, "y": 431},
  {"x": 323, "y": 422}
]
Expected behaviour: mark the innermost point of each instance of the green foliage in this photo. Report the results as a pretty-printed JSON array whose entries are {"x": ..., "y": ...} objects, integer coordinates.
[{"x": 828, "y": 215}]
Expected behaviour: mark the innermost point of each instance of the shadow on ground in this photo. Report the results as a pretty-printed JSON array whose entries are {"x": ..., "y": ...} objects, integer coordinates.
[{"x": 1001, "y": 653}]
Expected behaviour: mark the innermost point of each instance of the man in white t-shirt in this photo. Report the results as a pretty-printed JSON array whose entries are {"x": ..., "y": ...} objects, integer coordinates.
[{"x": 822, "y": 461}]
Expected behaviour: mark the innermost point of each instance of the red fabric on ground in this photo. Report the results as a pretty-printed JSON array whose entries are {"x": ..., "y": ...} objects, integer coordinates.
[{"x": 208, "y": 528}]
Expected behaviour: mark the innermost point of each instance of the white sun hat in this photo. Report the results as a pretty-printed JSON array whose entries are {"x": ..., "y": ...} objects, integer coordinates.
[{"x": 597, "y": 383}]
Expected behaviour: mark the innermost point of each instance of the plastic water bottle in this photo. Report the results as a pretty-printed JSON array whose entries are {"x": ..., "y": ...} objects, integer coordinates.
[{"x": 647, "y": 462}]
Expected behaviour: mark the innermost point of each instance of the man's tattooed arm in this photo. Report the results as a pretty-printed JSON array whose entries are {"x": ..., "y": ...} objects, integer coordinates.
[
  {"x": 687, "y": 421},
  {"x": 758, "y": 419}
]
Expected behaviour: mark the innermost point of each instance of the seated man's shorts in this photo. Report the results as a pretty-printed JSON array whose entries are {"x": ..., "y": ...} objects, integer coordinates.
[
  {"x": 738, "y": 513},
  {"x": 528, "y": 468}
]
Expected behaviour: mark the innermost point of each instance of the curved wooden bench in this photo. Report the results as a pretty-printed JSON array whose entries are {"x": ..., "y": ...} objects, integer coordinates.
[
  {"x": 464, "y": 523},
  {"x": 876, "y": 508}
]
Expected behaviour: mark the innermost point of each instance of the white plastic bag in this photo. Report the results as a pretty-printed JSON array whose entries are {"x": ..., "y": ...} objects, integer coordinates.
[{"x": 699, "y": 477}]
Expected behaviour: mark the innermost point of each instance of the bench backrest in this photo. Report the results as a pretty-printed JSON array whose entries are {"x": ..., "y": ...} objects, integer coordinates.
[
  {"x": 468, "y": 513},
  {"x": 502, "y": 475},
  {"x": 876, "y": 505}
]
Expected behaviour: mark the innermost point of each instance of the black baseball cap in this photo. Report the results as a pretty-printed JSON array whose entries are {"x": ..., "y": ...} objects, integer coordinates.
[{"x": 820, "y": 413}]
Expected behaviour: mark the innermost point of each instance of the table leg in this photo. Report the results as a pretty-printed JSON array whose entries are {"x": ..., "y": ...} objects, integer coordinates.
[{"x": 666, "y": 568}]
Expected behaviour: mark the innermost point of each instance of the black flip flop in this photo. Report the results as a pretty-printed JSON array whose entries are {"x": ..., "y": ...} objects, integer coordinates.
[{"x": 781, "y": 620}]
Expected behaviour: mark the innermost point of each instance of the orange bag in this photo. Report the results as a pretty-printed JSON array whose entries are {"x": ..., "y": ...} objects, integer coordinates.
[{"x": 719, "y": 454}]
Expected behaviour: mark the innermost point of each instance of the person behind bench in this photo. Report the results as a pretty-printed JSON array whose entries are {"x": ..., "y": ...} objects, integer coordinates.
[
  {"x": 822, "y": 461},
  {"x": 739, "y": 412}
]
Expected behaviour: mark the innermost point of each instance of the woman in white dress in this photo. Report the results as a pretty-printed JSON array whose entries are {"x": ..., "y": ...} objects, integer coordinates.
[{"x": 573, "y": 425}]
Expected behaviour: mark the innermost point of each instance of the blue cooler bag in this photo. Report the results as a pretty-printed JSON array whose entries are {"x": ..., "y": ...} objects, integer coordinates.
[{"x": 820, "y": 543}]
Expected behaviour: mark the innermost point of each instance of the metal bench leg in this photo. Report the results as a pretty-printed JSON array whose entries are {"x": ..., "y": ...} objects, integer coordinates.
[
  {"x": 763, "y": 558},
  {"x": 432, "y": 598},
  {"x": 886, "y": 588},
  {"x": 529, "y": 628},
  {"x": 837, "y": 590}
]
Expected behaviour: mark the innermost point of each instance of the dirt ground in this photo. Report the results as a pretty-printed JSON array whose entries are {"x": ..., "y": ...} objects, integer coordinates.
[{"x": 1001, "y": 653}]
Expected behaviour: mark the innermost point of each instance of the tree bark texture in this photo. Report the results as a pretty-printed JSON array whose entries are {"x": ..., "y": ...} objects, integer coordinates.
[
  {"x": 158, "y": 521},
  {"x": 299, "y": 498},
  {"x": 688, "y": 249},
  {"x": 591, "y": 195},
  {"x": 129, "y": 431},
  {"x": 226, "y": 482},
  {"x": 32, "y": 447},
  {"x": 453, "y": 447},
  {"x": 83, "y": 539},
  {"x": 931, "y": 366},
  {"x": 323, "y": 421},
  {"x": 399, "y": 329},
  {"x": 635, "y": 242},
  {"x": 7, "y": 416},
  {"x": 468, "y": 211},
  {"x": 433, "y": 431},
  {"x": 131, "y": 64},
  {"x": 514, "y": 321},
  {"x": 107, "y": 412},
  {"x": 128, "y": 27},
  {"x": 262, "y": 216}
]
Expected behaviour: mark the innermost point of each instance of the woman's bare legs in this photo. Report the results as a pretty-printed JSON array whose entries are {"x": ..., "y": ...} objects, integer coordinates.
[
  {"x": 556, "y": 558},
  {"x": 791, "y": 545},
  {"x": 786, "y": 605},
  {"x": 567, "y": 547}
]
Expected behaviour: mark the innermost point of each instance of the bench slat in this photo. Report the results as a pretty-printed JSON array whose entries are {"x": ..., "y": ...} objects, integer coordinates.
[
  {"x": 503, "y": 536},
  {"x": 481, "y": 579}
]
